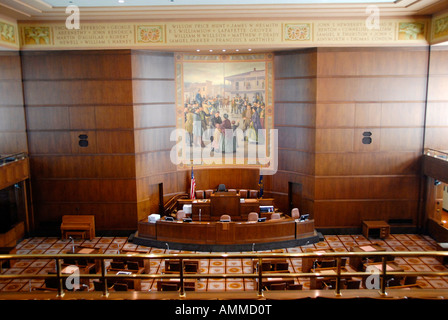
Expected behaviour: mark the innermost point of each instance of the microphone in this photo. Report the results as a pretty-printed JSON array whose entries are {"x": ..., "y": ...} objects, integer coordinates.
[{"x": 73, "y": 244}]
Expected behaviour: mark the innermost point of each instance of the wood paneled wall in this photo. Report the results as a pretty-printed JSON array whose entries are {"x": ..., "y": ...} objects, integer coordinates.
[
  {"x": 73, "y": 93},
  {"x": 154, "y": 119},
  {"x": 12, "y": 114},
  {"x": 381, "y": 91},
  {"x": 295, "y": 120},
  {"x": 437, "y": 109},
  {"x": 326, "y": 99}
]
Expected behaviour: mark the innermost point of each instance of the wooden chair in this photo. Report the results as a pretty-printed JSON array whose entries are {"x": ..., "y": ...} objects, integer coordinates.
[
  {"x": 170, "y": 287},
  {"x": 117, "y": 265},
  {"x": 408, "y": 280},
  {"x": 327, "y": 264},
  {"x": 120, "y": 286},
  {"x": 133, "y": 265},
  {"x": 208, "y": 193},
  {"x": 278, "y": 286},
  {"x": 353, "y": 284},
  {"x": 98, "y": 285},
  {"x": 294, "y": 286},
  {"x": 190, "y": 267}
]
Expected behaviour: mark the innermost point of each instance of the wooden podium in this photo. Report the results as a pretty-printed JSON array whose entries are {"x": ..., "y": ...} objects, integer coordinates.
[{"x": 224, "y": 203}]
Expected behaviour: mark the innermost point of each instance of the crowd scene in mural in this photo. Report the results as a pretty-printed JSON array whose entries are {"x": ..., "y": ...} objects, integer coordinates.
[{"x": 219, "y": 117}]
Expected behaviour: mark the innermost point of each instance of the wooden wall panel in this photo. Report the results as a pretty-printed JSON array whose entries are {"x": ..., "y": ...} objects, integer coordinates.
[
  {"x": 12, "y": 115},
  {"x": 295, "y": 120},
  {"x": 436, "y": 114},
  {"x": 154, "y": 120},
  {"x": 73, "y": 93},
  {"x": 381, "y": 91}
]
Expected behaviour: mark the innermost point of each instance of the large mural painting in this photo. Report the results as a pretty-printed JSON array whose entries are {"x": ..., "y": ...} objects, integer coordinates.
[{"x": 224, "y": 110}]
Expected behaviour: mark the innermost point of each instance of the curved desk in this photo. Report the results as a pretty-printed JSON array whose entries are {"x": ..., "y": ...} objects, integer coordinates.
[{"x": 226, "y": 236}]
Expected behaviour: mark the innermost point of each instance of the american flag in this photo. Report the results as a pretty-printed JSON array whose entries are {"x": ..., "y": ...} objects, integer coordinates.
[{"x": 192, "y": 186}]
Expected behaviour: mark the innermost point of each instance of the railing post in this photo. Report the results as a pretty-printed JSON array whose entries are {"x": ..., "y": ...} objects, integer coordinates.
[
  {"x": 260, "y": 277},
  {"x": 338, "y": 276},
  {"x": 59, "y": 277},
  {"x": 182, "y": 285},
  {"x": 383, "y": 277},
  {"x": 103, "y": 276}
]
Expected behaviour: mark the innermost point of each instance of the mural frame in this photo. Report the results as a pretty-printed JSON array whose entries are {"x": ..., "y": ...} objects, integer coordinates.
[{"x": 264, "y": 103}]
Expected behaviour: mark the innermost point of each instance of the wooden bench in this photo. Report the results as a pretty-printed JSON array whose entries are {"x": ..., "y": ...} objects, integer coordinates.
[{"x": 83, "y": 225}]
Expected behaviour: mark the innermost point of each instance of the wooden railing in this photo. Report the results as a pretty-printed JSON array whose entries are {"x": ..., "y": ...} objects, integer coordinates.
[
  {"x": 169, "y": 206},
  {"x": 259, "y": 274}
]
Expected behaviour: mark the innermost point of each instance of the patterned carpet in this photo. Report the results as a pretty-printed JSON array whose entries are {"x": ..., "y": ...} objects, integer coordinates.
[{"x": 111, "y": 245}]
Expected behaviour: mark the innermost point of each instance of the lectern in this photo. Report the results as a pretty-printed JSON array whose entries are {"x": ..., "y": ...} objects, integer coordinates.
[{"x": 224, "y": 203}]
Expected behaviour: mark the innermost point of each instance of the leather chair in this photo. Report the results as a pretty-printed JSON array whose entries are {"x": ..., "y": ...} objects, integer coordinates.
[
  {"x": 243, "y": 193},
  {"x": 253, "y": 194},
  {"x": 180, "y": 215},
  {"x": 208, "y": 193},
  {"x": 225, "y": 217},
  {"x": 253, "y": 216},
  {"x": 295, "y": 214},
  {"x": 275, "y": 216},
  {"x": 199, "y": 194}
]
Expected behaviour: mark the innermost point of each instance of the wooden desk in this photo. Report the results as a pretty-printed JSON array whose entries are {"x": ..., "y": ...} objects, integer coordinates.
[
  {"x": 133, "y": 284},
  {"x": 85, "y": 262},
  {"x": 307, "y": 263},
  {"x": 223, "y": 233},
  {"x": 271, "y": 265},
  {"x": 357, "y": 262},
  {"x": 142, "y": 262},
  {"x": 173, "y": 266},
  {"x": 189, "y": 284},
  {"x": 267, "y": 282},
  {"x": 381, "y": 227},
  {"x": 224, "y": 204},
  {"x": 391, "y": 266}
]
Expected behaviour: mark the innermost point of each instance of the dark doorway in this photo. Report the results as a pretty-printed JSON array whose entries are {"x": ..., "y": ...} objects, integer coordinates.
[
  {"x": 294, "y": 196},
  {"x": 161, "y": 204}
]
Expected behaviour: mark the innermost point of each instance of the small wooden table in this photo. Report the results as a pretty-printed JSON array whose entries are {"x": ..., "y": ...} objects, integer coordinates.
[{"x": 382, "y": 226}]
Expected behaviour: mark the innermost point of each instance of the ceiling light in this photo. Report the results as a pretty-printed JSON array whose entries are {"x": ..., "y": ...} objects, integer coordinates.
[
  {"x": 121, "y": 1},
  {"x": 211, "y": 50},
  {"x": 237, "y": 50},
  {"x": 223, "y": 50},
  {"x": 249, "y": 49},
  {"x": 198, "y": 50}
]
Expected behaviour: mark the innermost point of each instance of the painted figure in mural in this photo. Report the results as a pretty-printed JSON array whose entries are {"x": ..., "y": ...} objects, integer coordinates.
[
  {"x": 227, "y": 141},
  {"x": 197, "y": 128},
  {"x": 216, "y": 138},
  {"x": 189, "y": 125}
]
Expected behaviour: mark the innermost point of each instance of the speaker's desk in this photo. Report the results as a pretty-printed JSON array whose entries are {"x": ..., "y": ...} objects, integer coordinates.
[
  {"x": 197, "y": 234},
  {"x": 237, "y": 208}
]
